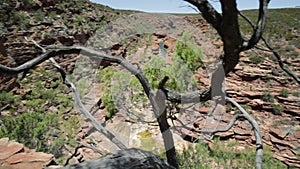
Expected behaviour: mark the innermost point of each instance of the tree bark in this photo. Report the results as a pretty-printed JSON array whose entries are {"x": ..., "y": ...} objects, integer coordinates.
[{"x": 128, "y": 158}]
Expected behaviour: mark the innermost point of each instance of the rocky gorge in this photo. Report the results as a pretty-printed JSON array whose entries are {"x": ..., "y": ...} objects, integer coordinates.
[{"x": 257, "y": 82}]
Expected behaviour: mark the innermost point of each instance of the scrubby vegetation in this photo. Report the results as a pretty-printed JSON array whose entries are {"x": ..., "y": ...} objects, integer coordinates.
[
  {"x": 189, "y": 52},
  {"x": 32, "y": 129},
  {"x": 38, "y": 117},
  {"x": 230, "y": 155},
  {"x": 71, "y": 15},
  {"x": 186, "y": 61},
  {"x": 281, "y": 25},
  {"x": 41, "y": 114}
]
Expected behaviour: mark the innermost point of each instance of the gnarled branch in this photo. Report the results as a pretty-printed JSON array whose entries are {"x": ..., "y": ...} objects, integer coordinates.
[
  {"x": 275, "y": 53},
  {"x": 245, "y": 115},
  {"x": 84, "y": 111},
  {"x": 51, "y": 52},
  {"x": 191, "y": 97},
  {"x": 209, "y": 13},
  {"x": 259, "y": 28},
  {"x": 259, "y": 143}
]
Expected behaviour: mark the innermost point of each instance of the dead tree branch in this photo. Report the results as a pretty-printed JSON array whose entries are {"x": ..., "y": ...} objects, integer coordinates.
[
  {"x": 191, "y": 97},
  {"x": 231, "y": 37},
  {"x": 244, "y": 115},
  {"x": 260, "y": 26},
  {"x": 51, "y": 52},
  {"x": 208, "y": 12},
  {"x": 281, "y": 64},
  {"x": 73, "y": 154},
  {"x": 259, "y": 143},
  {"x": 228, "y": 127},
  {"x": 82, "y": 145},
  {"x": 84, "y": 111},
  {"x": 275, "y": 53},
  {"x": 227, "y": 27}
]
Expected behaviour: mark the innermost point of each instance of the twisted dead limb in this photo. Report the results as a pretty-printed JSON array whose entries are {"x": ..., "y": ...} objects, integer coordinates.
[
  {"x": 80, "y": 105},
  {"x": 227, "y": 26},
  {"x": 259, "y": 143},
  {"x": 84, "y": 111},
  {"x": 157, "y": 100},
  {"x": 193, "y": 97},
  {"x": 73, "y": 155},
  {"x": 51, "y": 52},
  {"x": 228, "y": 127},
  {"x": 275, "y": 53},
  {"x": 244, "y": 115},
  {"x": 190, "y": 97},
  {"x": 82, "y": 145},
  {"x": 161, "y": 98}
]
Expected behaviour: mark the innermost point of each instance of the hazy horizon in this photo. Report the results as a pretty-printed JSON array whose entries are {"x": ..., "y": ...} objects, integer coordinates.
[{"x": 180, "y": 6}]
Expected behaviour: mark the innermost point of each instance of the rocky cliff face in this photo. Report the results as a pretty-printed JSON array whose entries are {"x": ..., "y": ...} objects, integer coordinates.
[
  {"x": 257, "y": 82},
  {"x": 49, "y": 23}
]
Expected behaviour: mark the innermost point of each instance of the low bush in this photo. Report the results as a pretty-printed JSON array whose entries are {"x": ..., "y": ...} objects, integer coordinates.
[
  {"x": 284, "y": 93},
  {"x": 225, "y": 155},
  {"x": 32, "y": 129}
]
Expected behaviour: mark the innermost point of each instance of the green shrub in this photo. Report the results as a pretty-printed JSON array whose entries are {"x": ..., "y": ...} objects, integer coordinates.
[
  {"x": 180, "y": 76},
  {"x": 28, "y": 4},
  {"x": 277, "y": 109},
  {"x": 196, "y": 156},
  {"x": 45, "y": 95},
  {"x": 188, "y": 52},
  {"x": 6, "y": 98},
  {"x": 21, "y": 20},
  {"x": 70, "y": 126},
  {"x": 39, "y": 15},
  {"x": 255, "y": 58},
  {"x": 105, "y": 75},
  {"x": 31, "y": 123},
  {"x": 284, "y": 93},
  {"x": 267, "y": 97},
  {"x": 109, "y": 105},
  {"x": 154, "y": 70},
  {"x": 229, "y": 107},
  {"x": 224, "y": 155},
  {"x": 180, "y": 79},
  {"x": 296, "y": 93},
  {"x": 32, "y": 129},
  {"x": 269, "y": 161}
]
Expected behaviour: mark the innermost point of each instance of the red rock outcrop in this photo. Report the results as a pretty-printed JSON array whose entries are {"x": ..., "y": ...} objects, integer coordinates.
[{"x": 14, "y": 155}]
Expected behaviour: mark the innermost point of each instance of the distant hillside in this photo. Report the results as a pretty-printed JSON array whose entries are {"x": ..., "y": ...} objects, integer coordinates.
[{"x": 281, "y": 23}]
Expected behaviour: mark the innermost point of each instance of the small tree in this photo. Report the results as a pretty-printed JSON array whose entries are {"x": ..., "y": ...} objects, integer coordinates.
[{"x": 227, "y": 26}]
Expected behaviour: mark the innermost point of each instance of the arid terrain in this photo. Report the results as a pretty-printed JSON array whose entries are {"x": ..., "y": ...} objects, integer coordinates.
[{"x": 38, "y": 112}]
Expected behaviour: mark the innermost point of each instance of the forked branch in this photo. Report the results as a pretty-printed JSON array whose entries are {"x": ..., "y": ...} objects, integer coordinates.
[
  {"x": 208, "y": 12},
  {"x": 259, "y": 143},
  {"x": 260, "y": 26},
  {"x": 244, "y": 115},
  {"x": 51, "y": 52},
  {"x": 275, "y": 53}
]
